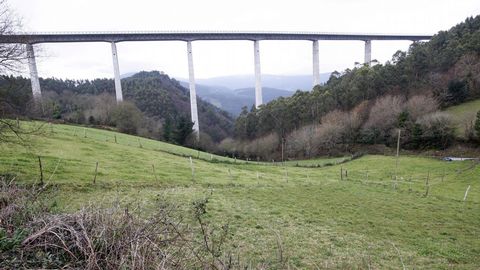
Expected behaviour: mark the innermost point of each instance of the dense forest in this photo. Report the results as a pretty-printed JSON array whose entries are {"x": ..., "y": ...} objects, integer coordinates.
[
  {"x": 155, "y": 106},
  {"x": 369, "y": 103}
]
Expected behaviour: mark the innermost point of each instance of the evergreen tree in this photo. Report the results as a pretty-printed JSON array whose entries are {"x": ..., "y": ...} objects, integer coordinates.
[
  {"x": 241, "y": 124},
  {"x": 167, "y": 130},
  {"x": 477, "y": 125},
  {"x": 182, "y": 130}
]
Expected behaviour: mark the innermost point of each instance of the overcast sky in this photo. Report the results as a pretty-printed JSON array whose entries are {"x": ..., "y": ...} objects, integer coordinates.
[{"x": 219, "y": 58}]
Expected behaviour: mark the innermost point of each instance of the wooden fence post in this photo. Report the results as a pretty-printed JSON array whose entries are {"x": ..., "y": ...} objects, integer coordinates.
[
  {"x": 427, "y": 185},
  {"x": 96, "y": 170},
  {"x": 41, "y": 170}
]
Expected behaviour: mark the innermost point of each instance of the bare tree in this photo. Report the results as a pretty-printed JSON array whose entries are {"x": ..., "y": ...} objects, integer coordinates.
[
  {"x": 384, "y": 114},
  {"x": 11, "y": 55},
  {"x": 418, "y": 106},
  {"x": 11, "y": 59}
]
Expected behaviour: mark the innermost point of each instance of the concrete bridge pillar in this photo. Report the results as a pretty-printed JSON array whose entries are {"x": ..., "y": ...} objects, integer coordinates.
[
  {"x": 258, "y": 75},
  {"x": 116, "y": 71},
  {"x": 316, "y": 64},
  {"x": 32, "y": 65},
  {"x": 193, "y": 92},
  {"x": 368, "y": 52}
]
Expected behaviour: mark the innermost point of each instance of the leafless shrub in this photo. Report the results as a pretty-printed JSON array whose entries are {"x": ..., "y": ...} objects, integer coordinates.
[
  {"x": 109, "y": 238},
  {"x": 102, "y": 109},
  {"x": 361, "y": 111},
  {"x": 18, "y": 205},
  {"x": 437, "y": 130},
  {"x": 227, "y": 144},
  {"x": 315, "y": 139},
  {"x": 384, "y": 114},
  {"x": 429, "y": 120},
  {"x": 11, "y": 202},
  {"x": 338, "y": 129},
  {"x": 205, "y": 143},
  {"x": 328, "y": 136},
  {"x": 421, "y": 105},
  {"x": 127, "y": 117},
  {"x": 300, "y": 142},
  {"x": 264, "y": 147},
  {"x": 112, "y": 238}
]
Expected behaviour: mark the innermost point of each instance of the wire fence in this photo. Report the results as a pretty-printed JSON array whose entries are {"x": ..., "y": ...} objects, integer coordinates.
[{"x": 424, "y": 183}]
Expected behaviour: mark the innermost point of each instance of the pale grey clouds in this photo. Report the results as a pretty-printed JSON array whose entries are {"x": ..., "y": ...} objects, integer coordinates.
[{"x": 214, "y": 58}]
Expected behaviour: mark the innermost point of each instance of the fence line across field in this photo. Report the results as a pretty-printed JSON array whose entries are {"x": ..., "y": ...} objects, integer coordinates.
[
  {"x": 384, "y": 177},
  {"x": 353, "y": 175},
  {"x": 237, "y": 175}
]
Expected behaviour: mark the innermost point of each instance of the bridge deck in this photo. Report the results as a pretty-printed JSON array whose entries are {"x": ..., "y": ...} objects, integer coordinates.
[{"x": 33, "y": 38}]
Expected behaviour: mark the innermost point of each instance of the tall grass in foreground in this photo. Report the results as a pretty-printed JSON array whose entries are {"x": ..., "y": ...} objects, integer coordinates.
[{"x": 115, "y": 237}]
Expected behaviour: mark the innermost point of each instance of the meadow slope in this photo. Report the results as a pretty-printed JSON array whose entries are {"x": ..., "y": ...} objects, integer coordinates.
[
  {"x": 464, "y": 114},
  {"x": 316, "y": 217}
]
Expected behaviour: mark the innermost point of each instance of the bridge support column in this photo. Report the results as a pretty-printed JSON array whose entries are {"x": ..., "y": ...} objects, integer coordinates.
[
  {"x": 193, "y": 92},
  {"x": 116, "y": 71},
  {"x": 32, "y": 65},
  {"x": 258, "y": 75},
  {"x": 368, "y": 52},
  {"x": 316, "y": 63}
]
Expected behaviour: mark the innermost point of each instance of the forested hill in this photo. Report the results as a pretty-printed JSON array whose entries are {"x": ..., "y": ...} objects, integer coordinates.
[
  {"x": 446, "y": 68},
  {"x": 157, "y": 95},
  {"x": 160, "y": 109}
]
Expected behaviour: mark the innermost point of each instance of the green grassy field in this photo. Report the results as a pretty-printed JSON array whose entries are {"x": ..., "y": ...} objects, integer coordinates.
[
  {"x": 362, "y": 220},
  {"x": 464, "y": 114}
]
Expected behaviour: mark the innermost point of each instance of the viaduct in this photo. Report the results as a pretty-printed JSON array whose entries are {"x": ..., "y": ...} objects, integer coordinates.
[{"x": 29, "y": 39}]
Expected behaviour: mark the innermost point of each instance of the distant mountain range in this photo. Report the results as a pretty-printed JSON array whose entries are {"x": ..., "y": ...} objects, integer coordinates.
[
  {"x": 286, "y": 82},
  {"x": 232, "y": 101},
  {"x": 231, "y": 93}
]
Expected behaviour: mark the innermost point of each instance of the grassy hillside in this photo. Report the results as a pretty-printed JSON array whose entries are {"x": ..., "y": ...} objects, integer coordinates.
[
  {"x": 318, "y": 219},
  {"x": 464, "y": 114}
]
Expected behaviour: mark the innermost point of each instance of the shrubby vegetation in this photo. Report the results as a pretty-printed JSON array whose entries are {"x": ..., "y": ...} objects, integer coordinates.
[
  {"x": 156, "y": 106},
  {"x": 420, "y": 123},
  {"x": 368, "y": 104},
  {"x": 32, "y": 235}
]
